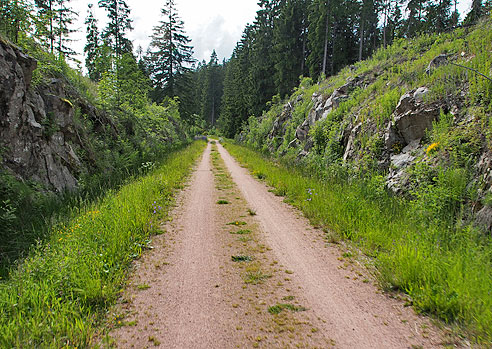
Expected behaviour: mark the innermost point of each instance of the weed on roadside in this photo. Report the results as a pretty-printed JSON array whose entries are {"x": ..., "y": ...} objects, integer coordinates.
[
  {"x": 278, "y": 308},
  {"x": 241, "y": 258},
  {"x": 240, "y": 232}
]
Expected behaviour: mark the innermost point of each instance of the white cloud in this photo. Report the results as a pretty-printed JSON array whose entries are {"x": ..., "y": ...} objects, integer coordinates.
[{"x": 211, "y": 24}]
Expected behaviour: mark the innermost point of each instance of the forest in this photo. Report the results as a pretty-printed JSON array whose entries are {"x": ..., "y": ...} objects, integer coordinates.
[
  {"x": 371, "y": 117},
  {"x": 288, "y": 40}
]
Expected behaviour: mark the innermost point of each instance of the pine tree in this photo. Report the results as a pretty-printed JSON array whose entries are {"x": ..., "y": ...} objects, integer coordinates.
[
  {"x": 45, "y": 22},
  {"x": 319, "y": 33},
  {"x": 212, "y": 90},
  {"x": 92, "y": 48},
  {"x": 395, "y": 27},
  {"x": 262, "y": 67},
  {"x": 14, "y": 18},
  {"x": 171, "y": 53},
  {"x": 64, "y": 18},
  {"x": 239, "y": 90},
  {"x": 415, "y": 20},
  {"x": 119, "y": 23},
  {"x": 477, "y": 11},
  {"x": 438, "y": 16},
  {"x": 455, "y": 16},
  {"x": 333, "y": 41},
  {"x": 368, "y": 27},
  {"x": 53, "y": 25}
]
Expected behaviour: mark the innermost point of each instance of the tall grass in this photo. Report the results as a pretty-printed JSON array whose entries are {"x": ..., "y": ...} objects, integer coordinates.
[
  {"x": 447, "y": 271},
  {"x": 57, "y": 296}
]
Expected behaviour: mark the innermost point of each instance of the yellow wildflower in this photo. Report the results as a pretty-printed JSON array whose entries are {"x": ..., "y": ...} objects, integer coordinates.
[{"x": 432, "y": 147}]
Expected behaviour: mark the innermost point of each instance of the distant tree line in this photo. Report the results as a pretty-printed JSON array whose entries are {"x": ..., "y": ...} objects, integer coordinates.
[{"x": 316, "y": 38}]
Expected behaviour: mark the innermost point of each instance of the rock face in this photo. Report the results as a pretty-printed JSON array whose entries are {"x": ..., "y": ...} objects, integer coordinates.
[
  {"x": 37, "y": 130},
  {"x": 412, "y": 118},
  {"x": 323, "y": 107}
]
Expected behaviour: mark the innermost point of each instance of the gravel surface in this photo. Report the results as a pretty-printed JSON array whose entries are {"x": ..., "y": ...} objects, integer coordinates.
[{"x": 187, "y": 292}]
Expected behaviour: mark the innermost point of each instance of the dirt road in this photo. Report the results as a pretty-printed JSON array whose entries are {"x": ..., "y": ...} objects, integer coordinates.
[{"x": 237, "y": 267}]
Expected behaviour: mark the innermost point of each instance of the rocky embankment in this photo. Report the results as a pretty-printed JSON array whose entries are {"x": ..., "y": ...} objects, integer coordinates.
[
  {"x": 402, "y": 142},
  {"x": 39, "y": 139}
]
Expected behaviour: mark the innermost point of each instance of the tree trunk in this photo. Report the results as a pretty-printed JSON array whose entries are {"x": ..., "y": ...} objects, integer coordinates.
[
  {"x": 303, "y": 58},
  {"x": 52, "y": 35},
  {"x": 325, "y": 56},
  {"x": 213, "y": 110},
  {"x": 361, "y": 40}
]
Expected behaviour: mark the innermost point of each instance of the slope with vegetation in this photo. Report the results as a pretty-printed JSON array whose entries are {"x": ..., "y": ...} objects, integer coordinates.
[
  {"x": 67, "y": 138},
  {"x": 414, "y": 119}
]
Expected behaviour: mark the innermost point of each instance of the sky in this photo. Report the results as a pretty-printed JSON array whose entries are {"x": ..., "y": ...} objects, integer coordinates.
[{"x": 210, "y": 24}]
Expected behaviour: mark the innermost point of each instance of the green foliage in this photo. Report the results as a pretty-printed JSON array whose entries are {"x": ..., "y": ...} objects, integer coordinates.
[
  {"x": 170, "y": 52},
  {"x": 59, "y": 293},
  {"x": 15, "y": 19}
]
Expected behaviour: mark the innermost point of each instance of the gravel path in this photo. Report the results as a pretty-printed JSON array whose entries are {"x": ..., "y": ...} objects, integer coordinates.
[
  {"x": 183, "y": 308},
  {"x": 354, "y": 315},
  {"x": 187, "y": 293}
]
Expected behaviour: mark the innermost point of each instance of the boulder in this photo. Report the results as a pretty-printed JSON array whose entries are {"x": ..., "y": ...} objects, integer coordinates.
[
  {"x": 484, "y": 219},
  {"x": 436, "y": 62},
  {"x": 412, "y": 118},
  {"x": 322, "y": 108},
  {"x": 398, "y": 176}
]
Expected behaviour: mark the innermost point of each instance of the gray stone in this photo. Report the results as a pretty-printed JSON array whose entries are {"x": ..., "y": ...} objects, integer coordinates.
[
  {"x": 401, "y": 160},
  {"x": 412, "y": 118},
  {"x": 436, "y": 62},
  {"x": 420, "y": 94},
  {"x": 35, "y": 150},
  {"x": 484, "y": 219}
]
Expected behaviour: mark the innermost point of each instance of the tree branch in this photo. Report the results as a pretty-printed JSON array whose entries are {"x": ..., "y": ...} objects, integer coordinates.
[{"x": 473, "y": 70}]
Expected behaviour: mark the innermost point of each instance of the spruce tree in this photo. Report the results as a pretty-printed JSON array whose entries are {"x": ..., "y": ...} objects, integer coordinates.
[
  {"x": 64, "y": 19},
  {"x": 170, "y": 52},
  {"x": 53, "y": 25},
  {"x": 14, "y": 18},
  {"x": 212, "y": 90},
  {"x": 368, "y": 27},
  {"x": 438, "y": 16},
  {"x": 415, "y": 21},
  {"x": 477, "y": 11},
  {"x": 45, "y": 22},
  {"x": 119, "y": 23},
  {"x": 92, "y": 48}
]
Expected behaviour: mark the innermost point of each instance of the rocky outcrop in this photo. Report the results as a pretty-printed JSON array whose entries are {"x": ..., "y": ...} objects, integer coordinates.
[
  {"x": 322, "y": 107},
  {"x": 37, "y": 132},
  {"x": 412, "y": 118}
]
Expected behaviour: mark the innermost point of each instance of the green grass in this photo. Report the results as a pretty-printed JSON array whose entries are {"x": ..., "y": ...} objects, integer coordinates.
[
  {"x": 222, "y": 202},
  {"x": 278, "y": 308},
  {"x": 255, "y": 277},
  {"x": 241, "y": 232},
  {"x": 59, "y": 294},
  {"x": 241, "y": 258},
  {"x": 446, "y": 270}
]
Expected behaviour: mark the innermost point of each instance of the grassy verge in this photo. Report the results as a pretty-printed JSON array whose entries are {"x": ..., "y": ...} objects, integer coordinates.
[
  {"x": 446, "y": 271},
  {"x": 58, "y": 295}
]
